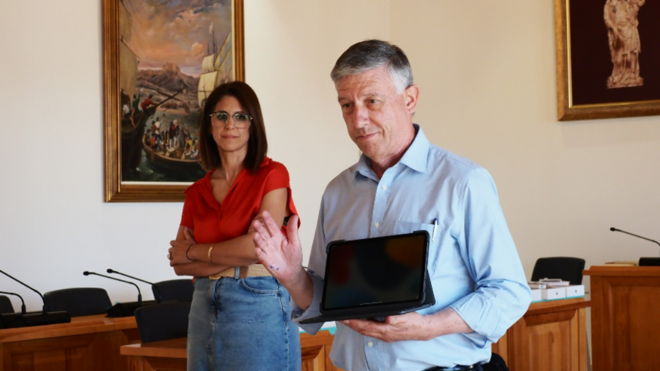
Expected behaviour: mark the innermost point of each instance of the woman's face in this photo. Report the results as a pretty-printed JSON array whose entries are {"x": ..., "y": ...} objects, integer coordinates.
[{"x": 227, "y": 136}]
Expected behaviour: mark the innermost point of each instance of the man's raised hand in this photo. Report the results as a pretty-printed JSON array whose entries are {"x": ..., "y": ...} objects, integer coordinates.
[{"x": 280, "y": 254}]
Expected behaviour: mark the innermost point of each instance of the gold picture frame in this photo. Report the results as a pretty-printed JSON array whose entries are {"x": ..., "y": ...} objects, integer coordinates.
[
  {"x": 586, "y": 51},
  {"x": 127, "y": 113}
]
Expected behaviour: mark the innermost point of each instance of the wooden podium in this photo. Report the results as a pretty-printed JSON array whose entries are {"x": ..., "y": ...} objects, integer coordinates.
[
  {"x": 625, "y": 317},
  {"x": 87, "y": 343},
  {"x": 550, "y": 336}
]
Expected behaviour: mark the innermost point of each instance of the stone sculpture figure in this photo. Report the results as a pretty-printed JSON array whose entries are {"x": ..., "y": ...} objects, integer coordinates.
[{"x": 625, "y": 46}]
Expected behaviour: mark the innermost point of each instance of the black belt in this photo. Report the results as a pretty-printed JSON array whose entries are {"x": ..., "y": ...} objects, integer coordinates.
[{"x": 455, "y": 368}]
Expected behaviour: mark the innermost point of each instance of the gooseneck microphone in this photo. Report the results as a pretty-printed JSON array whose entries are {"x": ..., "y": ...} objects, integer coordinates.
[
  {"x": 20, "y": 297},
  {"x": 642, "y": 261},
  {"x": 42, "y": 297},
  {"x": 139, "y": 301},
  {"x": 110, "y": 270},
  {"x": 644, "y": 238},
  {"x": 12, "y": 320},
  {"x": 123, "y": 309},
  {"x": 36, "y": 318}
]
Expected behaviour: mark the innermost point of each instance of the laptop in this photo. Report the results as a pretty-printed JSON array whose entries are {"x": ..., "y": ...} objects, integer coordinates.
[{"x": 376, "y": 277}]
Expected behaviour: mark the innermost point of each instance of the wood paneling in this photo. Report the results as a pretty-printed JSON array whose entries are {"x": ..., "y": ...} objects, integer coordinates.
[
  {"x": 87, "y": 343},
  {"x": 551, "y": 336},
  {"x": 624, "y": 317},
  {"x": 171, "y": 354}
]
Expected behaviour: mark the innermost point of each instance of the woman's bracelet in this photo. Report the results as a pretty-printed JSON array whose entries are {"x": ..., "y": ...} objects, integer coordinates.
[
  {"x": 187, "y": 251},
  {"x": 210, "y": 251}
]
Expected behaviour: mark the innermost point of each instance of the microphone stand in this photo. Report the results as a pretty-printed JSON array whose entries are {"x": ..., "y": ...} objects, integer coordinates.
[
  {"x": 123, "y": 309},
  {"x": 12, "y": 320},
  {"x": 20, "y": 297},
  {"x": 44, "y": 317},
  {"x": 138, "y": 279},
  {"x": 643, "y": 262}
]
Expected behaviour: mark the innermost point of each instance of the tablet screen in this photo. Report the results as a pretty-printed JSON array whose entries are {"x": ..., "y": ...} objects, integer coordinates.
[{"x": 383, "y": 270}]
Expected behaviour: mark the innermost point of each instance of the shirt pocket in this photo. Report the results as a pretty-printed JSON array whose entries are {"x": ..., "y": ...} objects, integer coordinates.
[{"x": 404, "y": 227}]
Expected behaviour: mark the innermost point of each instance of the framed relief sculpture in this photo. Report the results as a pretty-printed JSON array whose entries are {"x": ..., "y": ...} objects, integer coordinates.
[
  {"x": 161, "y": 61},
  {"x": 607, "y": 58}
]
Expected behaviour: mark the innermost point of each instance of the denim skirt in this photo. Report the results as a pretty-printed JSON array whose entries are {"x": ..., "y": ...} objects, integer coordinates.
[{"x": 242, "y": 324}]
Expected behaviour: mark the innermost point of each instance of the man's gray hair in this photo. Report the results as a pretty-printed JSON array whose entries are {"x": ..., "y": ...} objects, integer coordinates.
[{"x": 370, "y": 54}]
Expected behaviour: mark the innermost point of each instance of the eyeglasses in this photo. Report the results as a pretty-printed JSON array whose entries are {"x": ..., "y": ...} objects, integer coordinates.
[{"x": 241, "y": 119}]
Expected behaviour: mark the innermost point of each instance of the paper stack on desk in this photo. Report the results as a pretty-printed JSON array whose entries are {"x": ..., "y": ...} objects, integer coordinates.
[{"x": 553, "y": 282}]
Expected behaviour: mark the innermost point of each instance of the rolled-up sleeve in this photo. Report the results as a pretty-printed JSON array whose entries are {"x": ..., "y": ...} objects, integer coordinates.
[
  {"x": 502, "y": 294},
  {"x": 298, "y": 314}
]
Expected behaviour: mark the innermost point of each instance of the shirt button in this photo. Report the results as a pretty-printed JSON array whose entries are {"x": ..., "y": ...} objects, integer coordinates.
[
  {"x": 370, "y": 344},
  {"x": 376, "y": 225},
  {"x": 384, "y": 187}
]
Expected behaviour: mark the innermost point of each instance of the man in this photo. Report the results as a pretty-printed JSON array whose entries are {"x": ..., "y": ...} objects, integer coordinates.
[
  {"x": 148, "y": 103},
  {"x": 403, "y": 183},
  {"x": 136, "y": 102}
]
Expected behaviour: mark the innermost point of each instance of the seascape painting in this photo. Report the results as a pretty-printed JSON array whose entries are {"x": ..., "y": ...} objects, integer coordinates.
[{"x": 172, "y": 54}]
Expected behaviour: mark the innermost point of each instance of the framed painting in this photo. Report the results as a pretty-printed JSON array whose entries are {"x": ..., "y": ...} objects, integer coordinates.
[
  {"x": 607, "y": 58},
  {"x": 161, "y": 60}
]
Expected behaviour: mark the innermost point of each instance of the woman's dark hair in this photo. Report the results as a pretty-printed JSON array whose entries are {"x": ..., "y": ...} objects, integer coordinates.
[{"x": 257, "y": 144}]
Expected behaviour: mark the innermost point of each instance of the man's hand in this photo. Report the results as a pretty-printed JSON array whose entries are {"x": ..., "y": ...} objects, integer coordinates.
[
  {"x": 409, "y": 326},
  {"x": 281, "y": 255},
  {"x": 179, "y": 249},
  {"x": 412, "y": 326}
]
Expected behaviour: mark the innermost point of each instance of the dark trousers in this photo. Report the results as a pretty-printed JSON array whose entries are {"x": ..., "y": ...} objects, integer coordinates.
[
  {"x": 457, "y": 368},
  {"x": 496, "y": 364}
]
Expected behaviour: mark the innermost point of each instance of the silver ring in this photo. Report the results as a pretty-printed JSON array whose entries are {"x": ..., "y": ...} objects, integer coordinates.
[{"x": 169, "y": 256}]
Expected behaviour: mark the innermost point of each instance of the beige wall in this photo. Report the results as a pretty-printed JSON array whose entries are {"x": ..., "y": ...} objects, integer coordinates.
[
  {"x": 486, "y": 72},
  {"x": 487, "y": 75}
]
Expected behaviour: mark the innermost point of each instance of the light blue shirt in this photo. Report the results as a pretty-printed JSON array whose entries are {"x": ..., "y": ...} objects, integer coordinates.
[{"x": 473, "y": 263}]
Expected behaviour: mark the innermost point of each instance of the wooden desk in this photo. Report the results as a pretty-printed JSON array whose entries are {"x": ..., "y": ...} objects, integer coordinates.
[
  {"x": 624, "y": 317},
  {"x": 87, "y": 343},
  {"x": 170, "y": 355},
  {"x": 552, "y": 335}
]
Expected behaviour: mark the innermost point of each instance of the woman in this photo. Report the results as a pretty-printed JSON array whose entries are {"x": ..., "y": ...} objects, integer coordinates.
[{"x": 240, "y": 315}]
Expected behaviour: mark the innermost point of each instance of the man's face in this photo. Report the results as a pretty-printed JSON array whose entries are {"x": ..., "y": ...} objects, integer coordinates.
[{"x": 378, "y": 119}]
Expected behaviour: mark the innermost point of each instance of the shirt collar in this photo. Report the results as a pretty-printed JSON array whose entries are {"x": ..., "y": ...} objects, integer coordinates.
[{"x": 415, "y": 157}]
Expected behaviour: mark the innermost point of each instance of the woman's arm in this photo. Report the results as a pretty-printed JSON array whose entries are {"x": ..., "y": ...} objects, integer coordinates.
[
  {"x": 197, "y": 269},
  {"x": 239, "y": 251},
  {"x": 184, "y": 238}
]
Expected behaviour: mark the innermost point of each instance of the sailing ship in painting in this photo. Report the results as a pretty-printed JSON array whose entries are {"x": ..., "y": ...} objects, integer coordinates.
[
  {"x": 160, "y": 108},
  {"x": 216, "y": 67}
]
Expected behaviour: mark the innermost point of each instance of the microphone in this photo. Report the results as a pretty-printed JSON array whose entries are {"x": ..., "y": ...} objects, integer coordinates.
[
  {"x": 138, "y": 279},
  {"x": 40, "y": 318},
  {"x": 20, "y": 297},
  {"x": 122, "y": 309},
  {"x": 644, "y": 238},
  {"x": 12, "y": 320},
  {"x": 642, "y": 261},
  {"x": 87, "y": 273}
]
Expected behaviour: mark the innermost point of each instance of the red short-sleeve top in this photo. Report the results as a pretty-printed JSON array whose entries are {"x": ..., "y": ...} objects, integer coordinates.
[{"x": 214, "y": 222}]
